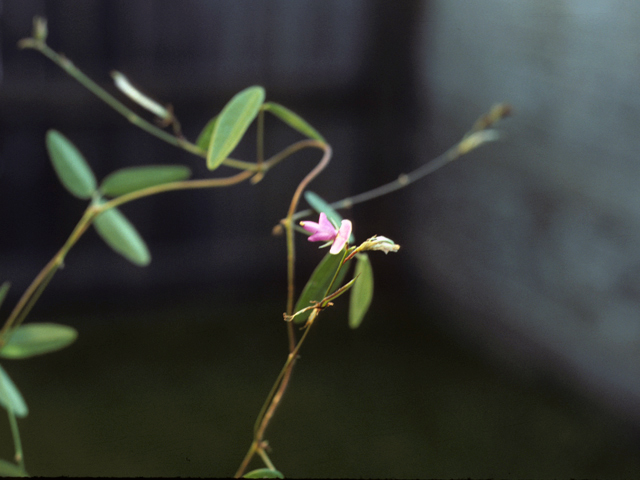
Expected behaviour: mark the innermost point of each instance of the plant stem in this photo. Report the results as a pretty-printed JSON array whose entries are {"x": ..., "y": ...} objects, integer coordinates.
[
  {"x": 33, "y": 292},
  {"x": 271, "y": 404},
  {"x": 259, "y": 148},
  {"x": 15, "y": 433},
  {"x": 247, "y": 458},
  {"x": 266, "y": 459},
  {"x": 292, "y": 208},
  {"x": 119, "y": 107},
  {"x": 402, "y": 181},
  {"x": 487, "y": 120},
  {"x": 180, "y": 185},
  {"x": 280, "y": 385}
]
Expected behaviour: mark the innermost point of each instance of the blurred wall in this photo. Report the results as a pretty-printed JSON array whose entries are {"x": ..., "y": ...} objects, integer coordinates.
[{"x": 534, "y": 243}]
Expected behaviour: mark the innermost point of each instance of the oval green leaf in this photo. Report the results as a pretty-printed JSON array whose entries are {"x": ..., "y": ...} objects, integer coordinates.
[
  {"x": 294, "y": 120},
  {"x": 362, "y": 291},
  {"x": 320, "y": 205},
  {"x": 70, "y": 166},
  {"x": 8, "y": 469},
  {"x": 263, "y": 473},
  {"x": 204, "y": 139},
  {"x": 37, "y": 339},
  {"x": 233, "y": 122},
  {"x": 10, "y": 397},
  {"x": 122, "y": 236},
  {"x": 318, "y": 283},
  {"x": 131, "y": 179},
  {"x": 3, "y": 291}
]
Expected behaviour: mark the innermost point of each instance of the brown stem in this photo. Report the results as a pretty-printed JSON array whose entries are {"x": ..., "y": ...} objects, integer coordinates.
[
  {"x": 281, "y": 383},
  {"x": 292, "y": 208}
]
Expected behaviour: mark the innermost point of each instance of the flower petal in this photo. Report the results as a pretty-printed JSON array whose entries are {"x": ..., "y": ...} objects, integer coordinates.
[
  {"x": 325, "y": 223},
  {"x": 322, "y": 236},
  {"x": 342, "y": 238},
  {"x": 322, "y": 231},
  {"x": 310, "y": 226}
]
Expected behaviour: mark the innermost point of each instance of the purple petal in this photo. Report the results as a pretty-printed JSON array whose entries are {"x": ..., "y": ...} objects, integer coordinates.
[
  {"x": 312, "y": 227},
  {"x": 322, "y": 236},
  {"x": 325, "y": 223},
  {"x": 322, "y": 231}
]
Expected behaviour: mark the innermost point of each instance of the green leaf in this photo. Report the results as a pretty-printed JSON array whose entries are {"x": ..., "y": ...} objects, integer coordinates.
[
  {"x": 263, "y": 473},
  {"x": 122, "y": 236},
  {"x": 294, "y": 120},
  {"x": 10, "y": 397},
  {"x": 4, "y": 288},
  {"x": 8, "y": 469},
  {"x": 362, "y": 291},
  {"x": 321, "y": 205},
  {"x": 70, "y": 166},
  {"x": 233, "y": 122},
  {"x": 318, "y": 283},
  {"x": 131, "y": 179},
  {"x": 204, "y": 139},
  {"x": 36, "y": 339}
]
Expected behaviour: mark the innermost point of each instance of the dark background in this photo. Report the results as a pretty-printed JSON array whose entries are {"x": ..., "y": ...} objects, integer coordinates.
[
  {"x": 341, "y": 65},
  {"x": 174, "y": 360}
]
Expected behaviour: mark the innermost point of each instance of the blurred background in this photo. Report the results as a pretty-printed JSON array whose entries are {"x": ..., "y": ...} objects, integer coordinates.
[{"x": 504, "y": 337}]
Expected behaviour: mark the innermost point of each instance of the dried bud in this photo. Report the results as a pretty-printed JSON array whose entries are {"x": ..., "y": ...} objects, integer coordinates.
[{"x": 380, "y": 243}]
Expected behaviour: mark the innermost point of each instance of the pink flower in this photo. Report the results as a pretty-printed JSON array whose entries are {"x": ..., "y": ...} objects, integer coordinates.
[{"x": 324, "y": 231}]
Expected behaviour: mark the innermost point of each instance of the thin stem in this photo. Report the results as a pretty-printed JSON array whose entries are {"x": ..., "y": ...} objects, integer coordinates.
[
  {"x": 288, "y": 224},
  {"x": 464, "y": 146},
  {"x": 335, "y": 275},
  {"x": 282, "y": 381},
  {"x": 290, "y": 150},
  {"x": 259, "y": 427},
  {"x": 259, "y": 148},
  {"x": 173, "y": 186},
  {"x": 33, "y": 292},
  {"x": 247, "y": 458},
  {"x": 401, "y": 182},
  {"x": 271, "y": 404},
  {"x": 15, "y": 433},
  {"x": 266, "y": 459},
  {"x": 68, "y": 66}
]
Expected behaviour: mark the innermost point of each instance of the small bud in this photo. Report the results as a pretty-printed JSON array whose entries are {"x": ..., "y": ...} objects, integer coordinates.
[
  {"x": 499, "y": 111},
  {"x": 380, "y": 243},
  {"x": 277, "y": 230},
  {"x": 40, "y": 30}
]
